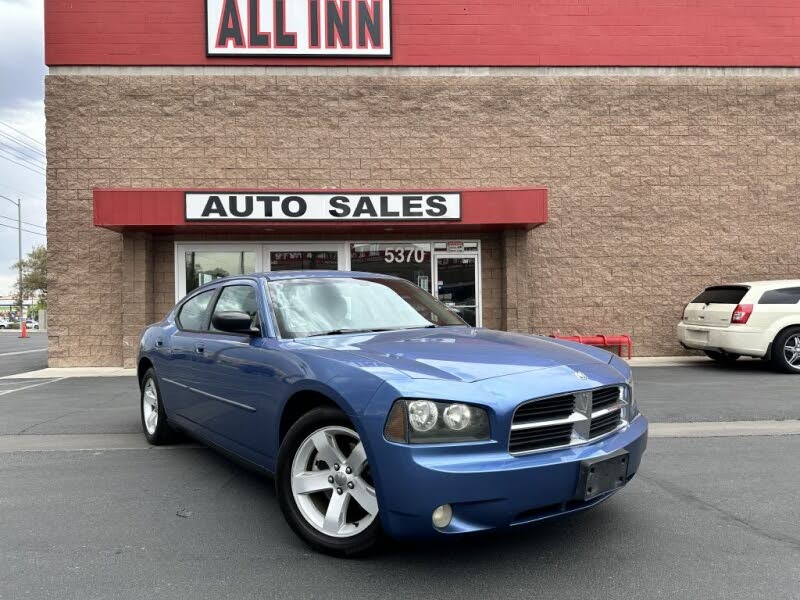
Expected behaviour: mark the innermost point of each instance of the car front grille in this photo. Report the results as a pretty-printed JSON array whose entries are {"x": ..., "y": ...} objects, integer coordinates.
[{"x": 566, "y": 419}]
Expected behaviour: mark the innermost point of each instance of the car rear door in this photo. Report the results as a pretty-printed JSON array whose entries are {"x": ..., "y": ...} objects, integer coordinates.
[
  {"x": 714, "y": 306},
  {"x": 235, "y": 392},
  {"x": 184, "y": 371}
]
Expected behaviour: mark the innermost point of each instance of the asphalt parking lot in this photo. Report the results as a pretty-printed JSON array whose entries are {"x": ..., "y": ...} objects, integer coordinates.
[
  {"x": 22, "y": 355},
  {"x": 88, "y": 511}
]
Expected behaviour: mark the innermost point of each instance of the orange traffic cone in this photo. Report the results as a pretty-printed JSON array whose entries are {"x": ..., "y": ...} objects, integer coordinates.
[{"x": 24, "y": 329}]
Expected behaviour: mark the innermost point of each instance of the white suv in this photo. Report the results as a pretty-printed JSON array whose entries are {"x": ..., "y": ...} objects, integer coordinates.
[{"x": 759, "y": 318}]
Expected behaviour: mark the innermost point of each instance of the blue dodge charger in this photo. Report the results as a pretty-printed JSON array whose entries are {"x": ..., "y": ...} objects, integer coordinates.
[{"x": 379, "y": 410}]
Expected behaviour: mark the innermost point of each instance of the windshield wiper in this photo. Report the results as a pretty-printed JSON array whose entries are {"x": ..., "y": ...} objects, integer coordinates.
[{"x": 346, "y": 331}]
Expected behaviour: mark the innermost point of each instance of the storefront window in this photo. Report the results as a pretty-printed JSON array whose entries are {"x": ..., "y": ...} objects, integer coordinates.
[
  {"x": 205, "y": 266},
  {"x": 456, "y": 286},
  {"x": 411, "y": 261},
  {"x": 310, "y": 260}
]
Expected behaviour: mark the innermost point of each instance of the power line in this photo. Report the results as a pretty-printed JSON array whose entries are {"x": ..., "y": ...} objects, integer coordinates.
[
  {"x": 23, "y": 155},
  {"x": 21, "y": 164},
  {"x": 3, "y": 185},
  {"x": 25, "y": 230},
  {"x": 25, "y": 222},
  {"x": 22, "y": 144},
  {"x": 22, "y": 134}
]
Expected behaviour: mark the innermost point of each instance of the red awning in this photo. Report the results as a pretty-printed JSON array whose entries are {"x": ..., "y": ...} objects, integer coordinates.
[{"x": 163, "y": 211}]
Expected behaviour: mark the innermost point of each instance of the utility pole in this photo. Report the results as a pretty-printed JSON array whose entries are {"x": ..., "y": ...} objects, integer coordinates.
[
  {"x": 18, "y": 204},
  {"x": 19, "y": 255}
]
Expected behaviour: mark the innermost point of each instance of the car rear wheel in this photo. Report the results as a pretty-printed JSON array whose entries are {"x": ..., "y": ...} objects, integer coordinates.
[
  {"x": 786, "y": 351},
  {"x": 722, "y": 357},
  {"x": 154, "y": 419},
  {"x": 324, "y": 485}
]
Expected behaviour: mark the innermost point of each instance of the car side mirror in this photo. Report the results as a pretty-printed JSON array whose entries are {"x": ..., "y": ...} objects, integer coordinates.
[{"x": 234, "y": 322}]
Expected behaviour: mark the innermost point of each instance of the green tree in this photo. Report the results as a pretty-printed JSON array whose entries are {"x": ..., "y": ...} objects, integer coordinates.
[{"x": 34, "y": 275}]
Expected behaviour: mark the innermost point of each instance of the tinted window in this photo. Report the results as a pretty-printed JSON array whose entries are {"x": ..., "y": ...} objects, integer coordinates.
[
  {"x": 784, "y": 296},
  {"x": 722, "y": 294},
  {"x": 193, "y": 312},
  {"x": 238, "y": 298}
]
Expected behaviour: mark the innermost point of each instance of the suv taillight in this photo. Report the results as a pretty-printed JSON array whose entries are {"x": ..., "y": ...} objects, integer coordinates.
[{"x": 741, "y": 314}]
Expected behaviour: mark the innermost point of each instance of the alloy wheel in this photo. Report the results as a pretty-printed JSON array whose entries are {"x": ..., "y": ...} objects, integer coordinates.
[
  {"x": 331, "y": 482},
  {"x": 150, "y": 406},
  {"x": 791, "y": 351}
]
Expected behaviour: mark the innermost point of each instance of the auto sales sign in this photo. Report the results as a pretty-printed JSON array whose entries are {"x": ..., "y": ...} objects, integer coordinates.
[
  {"x": 298, "y": 28},
  {"x": 334, "y": 206}
]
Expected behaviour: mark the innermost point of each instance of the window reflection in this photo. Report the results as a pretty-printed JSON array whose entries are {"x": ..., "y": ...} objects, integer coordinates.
[{"x": 205, "y": 266}]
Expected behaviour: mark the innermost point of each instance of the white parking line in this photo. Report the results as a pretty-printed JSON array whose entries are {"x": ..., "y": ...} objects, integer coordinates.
[
  {"x": 23, "y": 352},
  {"x": 98, "y": 442},
  {"x": 724, "y": 429},
  {"x": 81, "y": 442},
  {"x": 33, "y": 385}
]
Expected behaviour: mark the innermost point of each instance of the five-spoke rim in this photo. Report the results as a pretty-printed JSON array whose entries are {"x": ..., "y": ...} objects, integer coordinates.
[
  {"x": 331, "y": 482},
  {"x": 150, "y": 406},
  {"x": 792, "y": 351}
]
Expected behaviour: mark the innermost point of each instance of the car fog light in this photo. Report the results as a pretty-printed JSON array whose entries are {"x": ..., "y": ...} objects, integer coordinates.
[
  {"x": 442, "y": 516},
  {"x": 422, "y": 414},
  {"x": 457, "y": 416}
]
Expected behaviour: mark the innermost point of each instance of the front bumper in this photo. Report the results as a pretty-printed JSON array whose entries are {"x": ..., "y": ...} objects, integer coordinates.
[
  {"x": 487, "y": 487},
  {"x": 741, "y": 340}
]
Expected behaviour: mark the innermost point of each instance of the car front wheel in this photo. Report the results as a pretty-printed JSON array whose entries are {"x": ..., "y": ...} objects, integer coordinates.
[
  {"x": 154, "y": 419},
  {"x": 786, "y": 351},
  {"x": 324, "y": 485}
]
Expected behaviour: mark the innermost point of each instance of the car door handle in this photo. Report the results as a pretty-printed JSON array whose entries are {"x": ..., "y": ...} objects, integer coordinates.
[
  {"x": 199, "y": 348},
  {"x": 159, "y": 342}
]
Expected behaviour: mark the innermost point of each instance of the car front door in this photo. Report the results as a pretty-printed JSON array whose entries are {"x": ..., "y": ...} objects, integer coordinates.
[{"x": 237, "y": 390}]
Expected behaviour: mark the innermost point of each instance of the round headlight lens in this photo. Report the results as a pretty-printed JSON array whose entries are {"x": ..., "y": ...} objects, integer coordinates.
[
  {"x": 457, "y": 416},
  {"x": 422, "y": 415}
]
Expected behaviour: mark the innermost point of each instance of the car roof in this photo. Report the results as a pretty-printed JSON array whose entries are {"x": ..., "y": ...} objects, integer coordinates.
[
  {"x": 285, "y": 275},
  {"x": 776, "y": 283}
]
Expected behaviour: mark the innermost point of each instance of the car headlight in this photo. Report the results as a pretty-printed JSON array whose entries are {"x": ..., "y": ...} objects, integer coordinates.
[
  {"x": 633, "y": 406},
  {"x": 431, "y": 422}
]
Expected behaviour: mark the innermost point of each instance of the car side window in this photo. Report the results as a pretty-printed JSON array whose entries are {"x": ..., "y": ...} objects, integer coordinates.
[
  {"x": 238, "y": 298},
  {"x": 192, "y": 315},
  {"x": 782, "y": 296}
]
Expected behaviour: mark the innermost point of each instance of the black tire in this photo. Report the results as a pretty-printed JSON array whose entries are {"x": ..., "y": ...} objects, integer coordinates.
[
  {"x": 162, "y": 433},
  {"x": 309, "y": 423},
  {"x": 722, "y": 358},
  {"x": 780, "y": 360}
]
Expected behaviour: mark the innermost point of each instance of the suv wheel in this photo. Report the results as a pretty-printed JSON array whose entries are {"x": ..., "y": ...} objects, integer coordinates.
[
  {"x": 786, "y": 351},
  {"x": 722, "y": 357},
  {"x": 324, "y": 485}
]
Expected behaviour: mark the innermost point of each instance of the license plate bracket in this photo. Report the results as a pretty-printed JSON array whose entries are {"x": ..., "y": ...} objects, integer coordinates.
[{"x": 601, "y": 475}]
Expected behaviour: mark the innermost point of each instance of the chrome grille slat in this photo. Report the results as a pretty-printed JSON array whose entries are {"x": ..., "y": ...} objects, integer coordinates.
[{"x": 565, "y": 420}]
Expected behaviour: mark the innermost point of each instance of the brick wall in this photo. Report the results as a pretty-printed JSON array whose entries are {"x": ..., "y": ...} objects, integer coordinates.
[{"x": 658, "y": 186}]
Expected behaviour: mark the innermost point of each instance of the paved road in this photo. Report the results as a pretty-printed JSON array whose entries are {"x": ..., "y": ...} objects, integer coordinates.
[
  {"x": 705, "y": 519},
  {"x": 22, "y": 355}
]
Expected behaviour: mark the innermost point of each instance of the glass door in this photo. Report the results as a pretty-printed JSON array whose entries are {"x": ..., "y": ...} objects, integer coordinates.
[
  {"x": 457, "y": 285},
  {"x": 304, "y": 257}
]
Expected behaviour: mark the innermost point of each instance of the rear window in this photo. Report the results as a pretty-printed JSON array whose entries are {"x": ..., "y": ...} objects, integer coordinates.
[
  {"x": 784, "y": 296},
  {"x": 722, "y": 294},
  {"x": 193, "y": 313}
]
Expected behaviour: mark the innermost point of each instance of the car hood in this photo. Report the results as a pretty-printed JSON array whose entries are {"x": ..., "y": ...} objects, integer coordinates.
[{"x": 461, "y": 353}]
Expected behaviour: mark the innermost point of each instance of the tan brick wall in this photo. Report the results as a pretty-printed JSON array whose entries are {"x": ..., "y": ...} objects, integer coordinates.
[{"x": 658, "y": 185}]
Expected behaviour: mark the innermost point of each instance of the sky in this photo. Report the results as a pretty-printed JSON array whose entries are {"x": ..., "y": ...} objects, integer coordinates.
[{"x": 22, "y": 74}]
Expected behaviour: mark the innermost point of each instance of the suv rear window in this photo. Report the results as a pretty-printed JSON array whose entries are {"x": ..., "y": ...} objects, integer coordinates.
[
  {"x": 784, "y": 296},
  {"x": 722, "y": 294}
]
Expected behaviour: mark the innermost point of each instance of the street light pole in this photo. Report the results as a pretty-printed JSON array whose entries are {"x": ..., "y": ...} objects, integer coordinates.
[
  {"x": 19, "y": 250},
  {"x": 19, "y": 255}
]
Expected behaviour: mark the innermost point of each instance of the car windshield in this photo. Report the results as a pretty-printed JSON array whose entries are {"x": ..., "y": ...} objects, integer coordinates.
[{"x": 335, "y": 305}]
